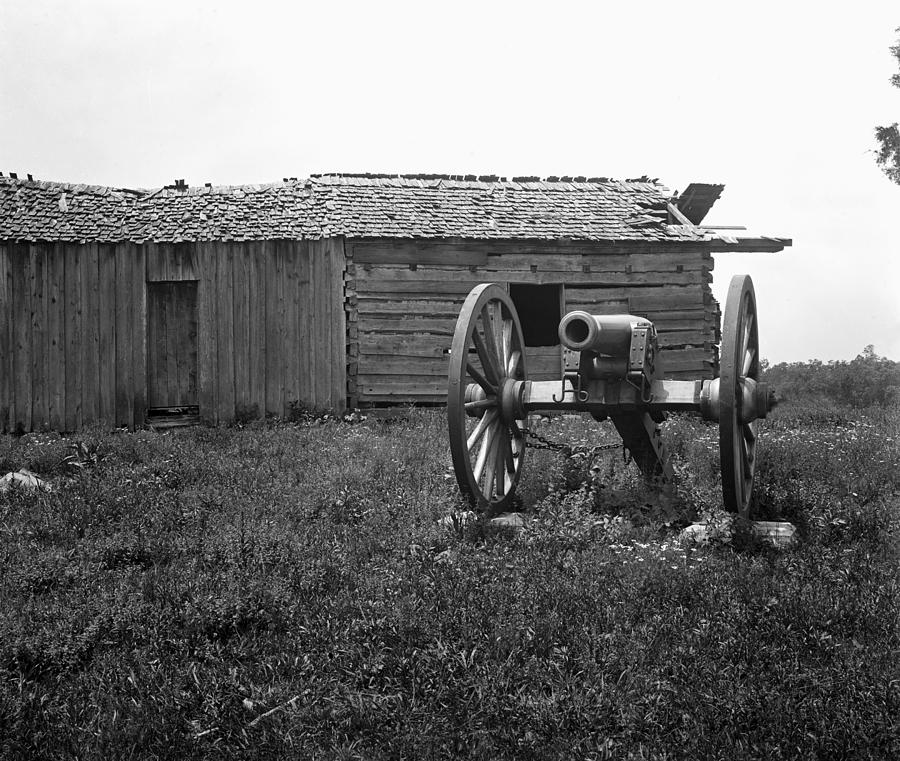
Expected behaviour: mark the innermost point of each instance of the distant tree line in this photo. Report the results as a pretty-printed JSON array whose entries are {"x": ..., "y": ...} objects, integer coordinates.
[{"x": 868, "y": 380}]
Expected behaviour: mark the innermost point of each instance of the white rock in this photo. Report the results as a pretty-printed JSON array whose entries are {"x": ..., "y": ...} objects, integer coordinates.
[
  {"x": 779, "y": 533},
  {"x": 696, "y": 532},
  {"x": 509, "y": 520},
  {"x": 505, "y": 520},
  {"x": 25, "y": 480}
]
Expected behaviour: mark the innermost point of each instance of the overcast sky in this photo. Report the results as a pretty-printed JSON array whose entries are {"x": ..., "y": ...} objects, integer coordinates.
[{"x": 777, "y": 100}]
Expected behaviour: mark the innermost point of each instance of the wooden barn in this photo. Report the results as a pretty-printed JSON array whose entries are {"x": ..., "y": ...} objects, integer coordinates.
[{"x": 124, "y": 306}]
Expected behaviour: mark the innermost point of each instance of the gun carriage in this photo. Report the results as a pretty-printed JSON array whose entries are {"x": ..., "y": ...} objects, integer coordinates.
[{"x": 612, "y": 370}]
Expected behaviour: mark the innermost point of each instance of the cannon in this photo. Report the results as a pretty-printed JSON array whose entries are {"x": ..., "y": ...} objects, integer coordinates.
[{"x": 612, "y": 369}]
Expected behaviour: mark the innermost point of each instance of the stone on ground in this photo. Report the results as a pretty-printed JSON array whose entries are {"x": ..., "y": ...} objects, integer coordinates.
[
  {"x": 514, "y": 521},
  {"x": 779, "y": 533},
  {"x": 23, "y": 479}
]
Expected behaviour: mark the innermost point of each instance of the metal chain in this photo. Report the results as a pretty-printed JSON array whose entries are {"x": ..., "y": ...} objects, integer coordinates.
[
  {"x": 536, "y": 441},
  {"x": 540, "y": 442}
]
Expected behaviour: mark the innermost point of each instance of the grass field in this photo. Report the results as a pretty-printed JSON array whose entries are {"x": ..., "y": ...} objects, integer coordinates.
[{"x": 286, "y": 591}]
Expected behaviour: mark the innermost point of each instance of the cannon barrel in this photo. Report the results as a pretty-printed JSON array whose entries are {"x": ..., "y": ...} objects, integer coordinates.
[{"x": 600, "y": 333}]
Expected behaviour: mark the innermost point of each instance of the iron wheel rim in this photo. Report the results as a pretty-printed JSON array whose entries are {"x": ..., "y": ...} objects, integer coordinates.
[
  {"x": 487, "y": 448},
  {"x": 739, "y": 360}
]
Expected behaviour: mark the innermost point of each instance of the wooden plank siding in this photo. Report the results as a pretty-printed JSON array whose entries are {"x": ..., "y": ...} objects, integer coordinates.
[
  {"x": 5, "y": 341},
  {"x": 292, "y": 372},
  {"x": 270, "y": 330},
  {"x": 257, "y": 317},
  {"x": 240, "y": 267},
  {"x": 338, "y": 320},
  {"x": 89, "y": 379},
  {"x": 124, "y": 331},
  {"x": 224, "y": 333},
  {"x": 36, "y": 286},
  {"x": 206, "y": 335},
  {"x": 56, "y": 343},
  {"x": 266, "y": 340},
  {"x": 407, "y": 295},
  {"x": 21, "y": 304},
  {"x": 273, "y": 400}
]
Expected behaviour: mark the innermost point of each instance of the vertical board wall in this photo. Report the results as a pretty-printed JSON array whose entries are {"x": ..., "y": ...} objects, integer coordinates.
[
  {"x": 271, "y": 327},
  {"x": 72, "y": 335},
  {"x": 73, "y": 330}
]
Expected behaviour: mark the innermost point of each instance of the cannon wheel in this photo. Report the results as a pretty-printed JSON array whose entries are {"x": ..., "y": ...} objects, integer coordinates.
[
  {"x": 739, "y": 360},
  {"x": 487, "y": 429}
]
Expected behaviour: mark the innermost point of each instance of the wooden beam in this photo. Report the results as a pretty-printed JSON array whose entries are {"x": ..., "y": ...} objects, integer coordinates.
[
  {"x": 678, "y": 216},
  {"x": 750, "y": 245}
]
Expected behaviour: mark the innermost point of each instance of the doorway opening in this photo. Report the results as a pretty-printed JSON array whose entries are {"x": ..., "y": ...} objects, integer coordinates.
[{"x": 172, "y": 397}]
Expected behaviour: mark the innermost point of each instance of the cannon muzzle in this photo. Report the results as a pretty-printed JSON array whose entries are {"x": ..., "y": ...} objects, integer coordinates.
[{"x": 600, "y": 333}]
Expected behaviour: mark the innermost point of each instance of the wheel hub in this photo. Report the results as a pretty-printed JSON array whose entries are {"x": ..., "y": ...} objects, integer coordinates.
[
  {"x": 755, "y": 399},
  {"x": 512, "y": 400}
]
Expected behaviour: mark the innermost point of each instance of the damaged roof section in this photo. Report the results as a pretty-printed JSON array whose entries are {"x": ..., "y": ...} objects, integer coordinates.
[
  {"x": 357, "y": 206},
  {"x": 697, "y": 199},
  {"x": 487, "y": 208}
]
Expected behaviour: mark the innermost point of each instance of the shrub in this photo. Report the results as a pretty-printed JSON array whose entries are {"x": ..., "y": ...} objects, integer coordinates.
[{"x": 866, "y": 381}]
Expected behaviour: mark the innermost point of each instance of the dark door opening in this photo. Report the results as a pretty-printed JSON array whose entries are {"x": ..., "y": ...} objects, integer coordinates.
[
  {"x": 172, "y": 349},
  {"x": 539, "y": 312}
]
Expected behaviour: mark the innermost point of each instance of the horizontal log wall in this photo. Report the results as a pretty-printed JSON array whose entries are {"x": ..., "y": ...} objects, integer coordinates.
[
  {"x": 73, "y": 329},
  {"x": 404, "y": 298}
]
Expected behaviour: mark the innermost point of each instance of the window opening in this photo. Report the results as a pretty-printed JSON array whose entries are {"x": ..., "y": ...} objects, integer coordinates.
[{"x": 539, "y": 312}]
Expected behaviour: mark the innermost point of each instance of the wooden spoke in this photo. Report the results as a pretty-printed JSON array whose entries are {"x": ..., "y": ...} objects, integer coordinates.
[
  {"x": 487, "y": 361},
  {"x": 490, "y": 388},
  {"x": 516, "y": 445},
  {"x": 745, "y": 338},
  {"x": 513, "y": 363},
  {"x": 750, "y": 433},
  {"x": 486, "y": 439},
  {"x": 486, "y": 443},
  {"x": 505, "y": 344},
  {"x": 509, "y": 455},
  {"x": 484, "y": 423},
  {"x": 481, "y": 404},
  {"x": 499, "y": 470},
  {"x": 748, "y": 466},
  {"x": 491, "y": 469},
  {"x": 496, "y": 312},
  {"x": 490, "y": 339},
  {"x": 749, "y": 356}
]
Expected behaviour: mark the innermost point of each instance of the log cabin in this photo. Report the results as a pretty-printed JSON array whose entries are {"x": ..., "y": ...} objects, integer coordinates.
[{"x": 124, "y": 307}]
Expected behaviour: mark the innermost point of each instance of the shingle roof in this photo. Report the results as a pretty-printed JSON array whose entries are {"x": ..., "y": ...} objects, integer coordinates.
[{"x": 429, "y": 206}]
